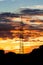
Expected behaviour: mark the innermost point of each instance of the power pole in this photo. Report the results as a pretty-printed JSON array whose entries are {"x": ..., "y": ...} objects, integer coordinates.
[{"x": 21, "y": 38}]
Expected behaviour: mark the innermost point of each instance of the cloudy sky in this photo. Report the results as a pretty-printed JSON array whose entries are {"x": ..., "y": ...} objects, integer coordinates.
[{"x": 14, "y": 5}]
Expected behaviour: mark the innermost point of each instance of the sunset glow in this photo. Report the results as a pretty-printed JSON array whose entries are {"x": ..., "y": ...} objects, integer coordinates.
[{"x": 21, "y": 34}]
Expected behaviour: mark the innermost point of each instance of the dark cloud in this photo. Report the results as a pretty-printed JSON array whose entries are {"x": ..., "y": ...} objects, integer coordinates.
[
  {"x": 5, "y": 30},
  {"x": 31, "y": 11},
  {"x": 6, "y": 26}
]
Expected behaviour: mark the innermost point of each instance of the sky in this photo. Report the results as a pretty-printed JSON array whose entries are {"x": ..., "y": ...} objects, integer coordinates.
[{"x": 14, "y": 5}]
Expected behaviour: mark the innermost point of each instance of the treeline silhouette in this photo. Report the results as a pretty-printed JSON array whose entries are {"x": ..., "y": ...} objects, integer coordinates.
[{"x": 35, "y": 57}]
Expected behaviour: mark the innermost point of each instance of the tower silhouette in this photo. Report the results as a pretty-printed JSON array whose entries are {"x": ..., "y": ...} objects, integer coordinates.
[{"x": 21, "y": 38}]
